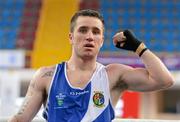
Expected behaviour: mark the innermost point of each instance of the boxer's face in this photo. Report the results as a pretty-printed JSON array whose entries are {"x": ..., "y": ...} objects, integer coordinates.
[{"x": 87, "y": 37}]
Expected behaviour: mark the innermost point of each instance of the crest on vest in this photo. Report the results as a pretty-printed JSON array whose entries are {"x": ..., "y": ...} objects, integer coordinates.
[{"x": 98, "y": 99}]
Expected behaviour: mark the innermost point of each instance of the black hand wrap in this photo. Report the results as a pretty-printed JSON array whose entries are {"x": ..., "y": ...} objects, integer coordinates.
[{"x": 131, "y": 42}]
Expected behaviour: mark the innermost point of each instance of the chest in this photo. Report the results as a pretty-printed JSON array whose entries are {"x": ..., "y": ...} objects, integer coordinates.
[{"x": 79, "y": 78}]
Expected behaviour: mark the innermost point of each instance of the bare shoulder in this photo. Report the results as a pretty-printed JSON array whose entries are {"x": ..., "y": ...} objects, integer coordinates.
[
  {"x": 46, "y": 72},
  {"x": 117, "y": 69},
  {"x": 43, "y": 76},
  {"x": 115, "y": 66},
  {"x": 115, "y": 74}
]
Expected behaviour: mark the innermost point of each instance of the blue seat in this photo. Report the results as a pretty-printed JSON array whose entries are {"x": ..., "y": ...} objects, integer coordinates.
[
  {"x": 11, "y": 12},
  {"x": 150, "y": 16}
]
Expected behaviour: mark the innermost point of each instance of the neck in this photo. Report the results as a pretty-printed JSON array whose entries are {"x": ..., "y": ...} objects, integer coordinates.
[{"x": 81, "y": 64}]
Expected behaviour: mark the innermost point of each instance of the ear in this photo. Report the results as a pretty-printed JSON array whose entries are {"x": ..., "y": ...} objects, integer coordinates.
[{"x": 71, "y": 38}]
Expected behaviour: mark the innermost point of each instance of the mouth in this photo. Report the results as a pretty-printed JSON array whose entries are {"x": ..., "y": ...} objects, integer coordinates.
[{"x": 89, "y": 45}]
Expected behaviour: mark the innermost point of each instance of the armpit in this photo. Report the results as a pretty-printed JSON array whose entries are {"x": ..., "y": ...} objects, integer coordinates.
[{"x": 120, "y": 86}]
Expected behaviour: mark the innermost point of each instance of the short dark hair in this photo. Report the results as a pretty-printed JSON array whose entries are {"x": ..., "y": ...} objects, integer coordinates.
[{"x": 86, "y": 12}]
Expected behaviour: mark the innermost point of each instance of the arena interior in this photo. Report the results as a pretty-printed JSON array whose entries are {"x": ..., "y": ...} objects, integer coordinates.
[{"x": 34, "y": 33}]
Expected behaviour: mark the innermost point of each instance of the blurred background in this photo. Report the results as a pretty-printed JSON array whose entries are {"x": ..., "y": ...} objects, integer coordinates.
[{"x": 34, "y": 33}]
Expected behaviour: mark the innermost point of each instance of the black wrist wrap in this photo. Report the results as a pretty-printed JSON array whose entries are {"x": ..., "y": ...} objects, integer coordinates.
[{"x": 131, "y": 42}]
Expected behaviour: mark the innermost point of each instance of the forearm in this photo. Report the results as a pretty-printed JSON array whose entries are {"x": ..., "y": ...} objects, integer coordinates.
[
  {"x": 154, "y": 76},
  {"x": 156, "y": 69}
]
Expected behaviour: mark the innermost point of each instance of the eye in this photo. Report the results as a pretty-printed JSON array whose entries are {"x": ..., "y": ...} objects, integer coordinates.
[
  {"x": 83, "y": 30},
  {"x": 96, "y": 31}
]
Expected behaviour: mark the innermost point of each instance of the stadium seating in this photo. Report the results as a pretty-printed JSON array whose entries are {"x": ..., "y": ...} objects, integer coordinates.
[
  {"x": 29, "y": 24},
  {"x": 18, "y": 23},
  {"x": 10, "y": 20},
  {"x": 155, "y": 22}
]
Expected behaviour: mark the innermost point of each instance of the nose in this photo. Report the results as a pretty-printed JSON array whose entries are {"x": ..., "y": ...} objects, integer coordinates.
[{"x": 89, "y": 36}]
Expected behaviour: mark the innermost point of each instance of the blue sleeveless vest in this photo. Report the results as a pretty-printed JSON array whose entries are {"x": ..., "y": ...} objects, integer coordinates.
[{"x": 66, "y": 103}]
